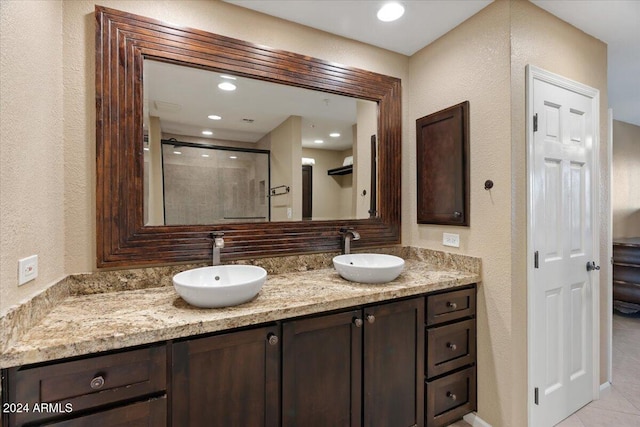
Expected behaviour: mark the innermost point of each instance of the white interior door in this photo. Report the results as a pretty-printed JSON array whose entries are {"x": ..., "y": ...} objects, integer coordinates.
[{"x": 562, "y": 230}]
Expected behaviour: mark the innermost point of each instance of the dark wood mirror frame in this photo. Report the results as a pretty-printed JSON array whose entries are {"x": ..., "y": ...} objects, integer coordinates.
[{"x": 122, "y": 41}]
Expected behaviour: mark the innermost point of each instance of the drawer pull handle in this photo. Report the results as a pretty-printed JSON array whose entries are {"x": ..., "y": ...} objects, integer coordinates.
[
  {"x": 451, "y": 396},
  {"x": 97, "y": 383},
  {"x": 452, "y": 346},
  {"x": 272, "y": 339},
  {"x": 371, "y": 318},
  {"x": 358, "y": 322},
  {"x": 452, "y": 305}
]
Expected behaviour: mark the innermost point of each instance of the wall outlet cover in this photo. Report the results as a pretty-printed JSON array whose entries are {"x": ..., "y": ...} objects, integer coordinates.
[
  {"x": 451, "y": 239},
  {"x": 27, "y": 269}
]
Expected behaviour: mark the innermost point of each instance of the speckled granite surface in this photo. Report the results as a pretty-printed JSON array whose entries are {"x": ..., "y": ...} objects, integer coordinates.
[{"x": 90, "y": 313}]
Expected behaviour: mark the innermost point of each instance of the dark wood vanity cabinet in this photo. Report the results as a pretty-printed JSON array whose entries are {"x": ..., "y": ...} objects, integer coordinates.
[
  {"x": 126, "y": 388},
  {"x": 355, "y": 368},
  {"x": 451, "y": 356},
  {"x": 403, "y": 363},
  {"x": 226, "y": 380}
]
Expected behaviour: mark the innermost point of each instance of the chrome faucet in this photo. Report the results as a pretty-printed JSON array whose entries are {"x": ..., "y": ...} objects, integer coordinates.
[
  {"x": 218, "y": 243},
  {"x": 348, "y": 234}
]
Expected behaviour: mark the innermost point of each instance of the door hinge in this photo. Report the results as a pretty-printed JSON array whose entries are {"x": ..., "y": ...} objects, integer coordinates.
[
  {"x": 535, "y": 395},
  {"x": 535, "y": 122},
  {"x": 536, "y": 260}
]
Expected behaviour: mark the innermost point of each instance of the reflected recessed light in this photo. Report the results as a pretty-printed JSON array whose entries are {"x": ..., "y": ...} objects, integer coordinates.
[
  {"x": 334, "y": 135},
  {"x": 146, "y": 148},
  {"x": 227, "y": 86},
  {"x": 207, "y": 132},
  {"x": 228, "y": 77},
  {"x": 318, "y": 141},
  {"x": 214, "y": 117},
  {"x": 204, "y": 155},
  {"x": 177, "y": 152},
  {"x": 390, "y": 12},
  {"x": 233, "y": 157}
]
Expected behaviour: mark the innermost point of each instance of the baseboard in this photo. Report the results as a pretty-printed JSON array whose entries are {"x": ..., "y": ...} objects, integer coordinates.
[
  {"x": 605, "y": 385},
  {"x": 475, "y": 421}
]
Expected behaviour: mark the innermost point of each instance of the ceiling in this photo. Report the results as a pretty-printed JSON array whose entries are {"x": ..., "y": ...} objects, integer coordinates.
[
  {"x": 616, "y": 22},
  {"x": 183, "y": 98}
]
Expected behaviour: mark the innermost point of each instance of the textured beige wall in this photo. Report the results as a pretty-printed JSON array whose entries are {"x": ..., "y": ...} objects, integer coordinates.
[
  {"x": 625, "y": 199},
  {"x": 483, "y": 61},
  {"x": 471, "y": 63},
  {"x": 31, "y": 146},
  {"x": 48, "y": 105}
]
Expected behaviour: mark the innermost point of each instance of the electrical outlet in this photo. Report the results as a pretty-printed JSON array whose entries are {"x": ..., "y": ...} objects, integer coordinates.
[
  {"x": 289, "y": 213},
  {"x": 27, "y": 269},
  {"x": 450, "y": 239}
]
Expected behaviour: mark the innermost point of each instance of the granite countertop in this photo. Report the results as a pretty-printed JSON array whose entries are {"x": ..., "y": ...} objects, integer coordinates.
[{"x": 91, "y": 322}]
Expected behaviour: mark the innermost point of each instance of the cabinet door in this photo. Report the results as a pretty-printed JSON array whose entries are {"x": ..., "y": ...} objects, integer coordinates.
[
  {"x": 443, "y": 166},
  {"x": 394, "y": 364},
  {"x": 322, "y": 368},
  {"x": 227, "y": 380}
]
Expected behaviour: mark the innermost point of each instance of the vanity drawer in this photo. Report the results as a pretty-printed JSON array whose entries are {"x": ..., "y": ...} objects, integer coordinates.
[
  {"x": 88, "y": 383},
  {"x": 450, "y": 306},
  {"x": 450, "y": 398},
  {"x": 149, "y": 413},
  {"x": 450, "y": 347}
]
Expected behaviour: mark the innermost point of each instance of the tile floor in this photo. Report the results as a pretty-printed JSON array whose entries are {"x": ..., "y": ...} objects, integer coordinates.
[{"x": 619, "y": 405}]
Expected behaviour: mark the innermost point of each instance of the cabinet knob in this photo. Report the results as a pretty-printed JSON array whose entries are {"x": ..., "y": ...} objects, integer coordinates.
[
  {"x": 452, "y": 305},
  {"x": 457, "y": 214},
  {"x": 358, "y": 322},
  {"x": 451, "y": 396},
  {"x": 371, "y": 318},
  {"x": 97, "y": 383},
  {"x": 272, "y": 339},
  {"x": 452, "y": 346}
]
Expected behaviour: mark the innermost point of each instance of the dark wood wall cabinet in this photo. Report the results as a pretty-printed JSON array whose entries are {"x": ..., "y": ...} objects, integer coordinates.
[
  {"x": 626, "y": 274},
  {"x": 443, "y": 166},
  {"x": 403, "y": 363}
]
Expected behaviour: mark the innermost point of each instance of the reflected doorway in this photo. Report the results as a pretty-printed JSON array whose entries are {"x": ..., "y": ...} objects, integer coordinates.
[{"x": 307, "y": 187}]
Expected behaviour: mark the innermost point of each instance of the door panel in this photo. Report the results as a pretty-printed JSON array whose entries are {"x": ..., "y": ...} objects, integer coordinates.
[
  {"x": 562, "y": 227},
  {"x": 225, "y": 380},
  {"x": 322, "y": 371},
  {"x": 394, "y": 364}
]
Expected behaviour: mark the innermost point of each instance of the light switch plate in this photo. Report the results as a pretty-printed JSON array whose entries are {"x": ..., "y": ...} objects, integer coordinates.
[
  {"x": 450, "y": 239},
  {"x": 27, "y": 269}
]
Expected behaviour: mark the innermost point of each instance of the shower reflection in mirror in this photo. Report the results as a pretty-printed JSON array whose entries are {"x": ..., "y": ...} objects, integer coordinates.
[{"x": 205, "y": 184}]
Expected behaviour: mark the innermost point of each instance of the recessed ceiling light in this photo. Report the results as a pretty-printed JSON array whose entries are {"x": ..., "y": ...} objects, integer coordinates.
[
  {"x": 228, "y": 77},
  {"x": 207, "y": 132},
  {"x": 204, "y": 155},
  {"x": 334, "y": 135},
  {"x": 177, "y": 152},
  {"x": 227, "y": 86},
  {"x": 214, "y": 117},
  {"x": 233, "y": 157},
  {"x": 146, "y": 148},
  {"x": 390, "y": 12},
  {"x": 318, "y": 141}
]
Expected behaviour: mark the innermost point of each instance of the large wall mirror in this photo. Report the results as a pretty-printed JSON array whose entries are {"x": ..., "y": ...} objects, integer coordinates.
[
  {"x": 180, "y": 156},
  {"x": 221, "y": 148}
]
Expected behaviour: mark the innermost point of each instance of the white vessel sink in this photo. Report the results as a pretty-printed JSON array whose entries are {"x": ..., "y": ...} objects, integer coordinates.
[
  {"x": 368, "y": 268},
  {"x": 220, "y": 285}
]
